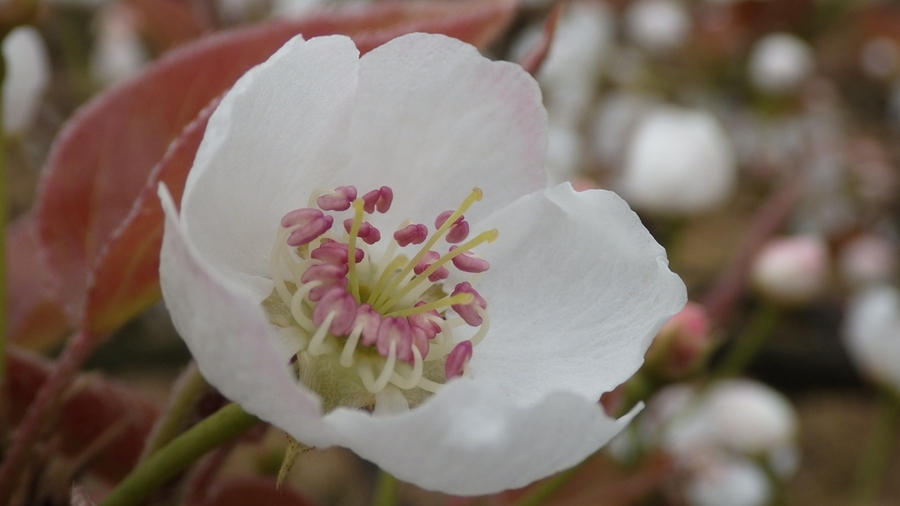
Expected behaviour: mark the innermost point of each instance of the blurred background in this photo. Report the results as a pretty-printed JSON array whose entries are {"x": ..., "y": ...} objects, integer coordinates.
[{"x": 756, "y": 139}]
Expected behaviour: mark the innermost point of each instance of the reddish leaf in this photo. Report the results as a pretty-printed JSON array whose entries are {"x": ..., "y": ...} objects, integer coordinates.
[
  {"x": 97, "y": 217},
  {"x": 92, "y": 406},
  {"x": 34, "y": 320},
  {"x": 254, "y": 490}
]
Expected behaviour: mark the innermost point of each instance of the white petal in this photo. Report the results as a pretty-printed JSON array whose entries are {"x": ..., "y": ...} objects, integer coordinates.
[
  {"x": 434, "y": 119},
  {"x": 228, "y": 337},
  {"x": 576, "y": 291},
  {"x": 471, "y": 439},
  {"x": 872, "y": 333},
  {"x": 27, "y": 76},
  {"x": 266, "y": 147}
]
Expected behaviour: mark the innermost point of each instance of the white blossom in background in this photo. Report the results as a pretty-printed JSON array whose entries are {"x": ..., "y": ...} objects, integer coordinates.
[
  {"x": 270, "y": 284},
  {"x": 569, "y": 78},
  {"x": 678, "y": 161},
  {"x": 880, "y": 57},
  {"x": 27, "y": 78},
  {"x": 792, "y": 270},
  {"x": 118, "y": 51},
  {"x": 721, "y": 438},
  {"x": 872, "y": 333},
  {"x": 867, "y": 260},
  {"x": 657, "y": 25},
  {"x": 780, "y": 62},
  {"x": 724, "y": 480}
]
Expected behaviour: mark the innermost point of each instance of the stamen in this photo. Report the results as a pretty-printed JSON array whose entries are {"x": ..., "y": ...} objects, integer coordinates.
[
  {"x": 296, "y": 306},
  {"x": 457, "y": 359},
  {"x": 368, "y": 233},
  {"x": 473, "y": 197},
  {"x": 413, "y": 380},
  {"x": 469, "y": 262},
  {"x": 338, "y": 302},
  {"x": 350, "y": 346},
  {"x": 394, "y": 331},
  {"x": 483, "y": 328},
  {"x": 467, "y": 311},
  {"x": 338, "y": 200},
  {"x": 387, "y": 275},
  {"x": 411, "y": 234},
  {"x": 306, "y": 225},
  {"x": 376, "y": 385},
  {"x": 458, "y": 230},
  {"x": 459, "y": 298},
  {"x": 315, "y": 344},
  {"x": 380, "y": 199},
  {"x": 488, "y": 236},
  {"x": 351, "y": 245}
]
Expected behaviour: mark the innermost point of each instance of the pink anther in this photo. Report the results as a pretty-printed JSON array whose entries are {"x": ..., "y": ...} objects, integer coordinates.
[
  {"x": 457, "y": 359},
  {"x": 470, "y": 262},
  {"x": 426, "y": 261},
  {"x": 307, "y": 224},
  {"x": 333, "y": 252},
  {"x": 422, "y": 321},
  {"x": 395, "y": 329},
  {"x": 467, "y": 311},
  {"x": 328, "y": 274},
  {"x": 370, "y": 321},
  {"x": 411, "y": 234},
  {"x": 338, "y": 200},
  {"x": 366, "y": 232},
  {"x": 419, "y": 339},
  {"x": 380, "y": 199},
  {"x": 342, "y": 304},
  {"x": 458, "y": 231}
]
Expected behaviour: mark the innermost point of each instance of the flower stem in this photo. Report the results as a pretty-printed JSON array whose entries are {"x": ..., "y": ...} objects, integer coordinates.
[
  {"x": 548, "y": 487},
  {"x": 188, "y": 391},
  {"x": 749, "y": 343},
  {"x": 385, "y": 490},
  {"x": 223, "y": 425},
  {"x": 877, "y": 453},
  {"x": 46, "y": 402}
]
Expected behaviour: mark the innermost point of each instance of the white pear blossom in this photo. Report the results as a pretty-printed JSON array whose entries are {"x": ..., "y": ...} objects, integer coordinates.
[
  {"x": 792, "y": 270},
  {"x": 27, "y": 77},
  {"x": 678, "y": 160},
  {"x": 657, "y": 25},
  {"x": 780, "y": 62},
  {"x": 458, "y": 372},
  {"x": 872, "y": 333}
]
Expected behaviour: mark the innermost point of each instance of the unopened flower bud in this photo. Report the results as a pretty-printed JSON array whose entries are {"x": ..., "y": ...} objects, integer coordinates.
[
  {"x": 681, "y": 345},
  {"x": 792, "y": 270}
]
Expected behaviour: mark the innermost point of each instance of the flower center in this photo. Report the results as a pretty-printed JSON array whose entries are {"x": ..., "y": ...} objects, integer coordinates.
[{"x": 383, "y": 315}]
